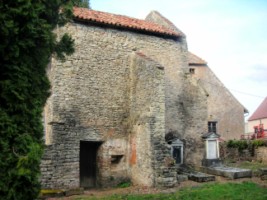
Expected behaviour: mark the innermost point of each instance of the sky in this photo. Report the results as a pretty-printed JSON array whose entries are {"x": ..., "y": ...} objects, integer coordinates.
[{"x": 231, "y": 35}]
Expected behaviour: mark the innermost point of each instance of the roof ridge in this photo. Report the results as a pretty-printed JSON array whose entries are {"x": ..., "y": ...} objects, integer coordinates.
[
  {"x": 122, "y": 21},
  {"x": 194, "y": 59}
]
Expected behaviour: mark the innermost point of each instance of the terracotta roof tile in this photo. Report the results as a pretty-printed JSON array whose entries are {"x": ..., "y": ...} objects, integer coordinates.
[
  {"x": 89, "y": 15},
  {"x": 195, "y": 60},
  {"x": 261, "y": 111}
]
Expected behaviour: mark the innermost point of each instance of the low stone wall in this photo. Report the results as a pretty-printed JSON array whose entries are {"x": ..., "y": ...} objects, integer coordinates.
[
  {"x": 251, "y": 153},
  {"x": 230, "y": 153},
  {"x": 261, "y": 154}
]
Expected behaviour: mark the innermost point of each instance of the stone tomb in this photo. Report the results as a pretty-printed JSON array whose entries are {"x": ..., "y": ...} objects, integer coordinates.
[
  {"x": 212, "y": 153},
  {"x": 228, "y": 172},
  {"x": 212, "y": 163},
  {"x": 177, "y": 149}
]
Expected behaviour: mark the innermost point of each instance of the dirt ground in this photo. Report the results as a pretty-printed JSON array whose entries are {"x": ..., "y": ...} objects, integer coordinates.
[{"x": 147, "y": 190}]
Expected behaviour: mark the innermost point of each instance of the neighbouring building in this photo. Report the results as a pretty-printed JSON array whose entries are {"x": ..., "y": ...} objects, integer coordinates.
[
  {"x": 258, "y": 117},
  {"x": 128, "y": 100}
]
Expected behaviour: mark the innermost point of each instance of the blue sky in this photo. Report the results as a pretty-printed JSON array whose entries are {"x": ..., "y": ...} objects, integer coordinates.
[{"x": 231, "y": 35}]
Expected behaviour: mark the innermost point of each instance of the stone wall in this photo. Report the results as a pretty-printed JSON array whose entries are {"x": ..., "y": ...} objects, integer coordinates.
[
  {"x": 186, "y": 100},
  {"x": 222, "y": 105},
  {"x": 93, "y": 100},
  {"x": 90, "y": 102},
  {"x": 251, "y": 153},
  {"x": 194, "y": 106},
  {"x": 261, "y": 154},
  {"x": 147, "y": 113},
  {"x": 147, "y": 78}
]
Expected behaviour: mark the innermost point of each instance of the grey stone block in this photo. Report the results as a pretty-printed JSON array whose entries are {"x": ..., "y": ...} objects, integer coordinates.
[
  {"x": 263, "y": 171},
  {"x": 201, "y": 177},
  {"x": 182, "y": 178},
  {"x": 229, "y": 172}
]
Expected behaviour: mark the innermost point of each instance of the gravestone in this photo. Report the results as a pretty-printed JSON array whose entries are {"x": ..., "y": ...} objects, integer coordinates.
[
  {"x": 177, "y": 151},
  {"x": 212, "y": 153}
]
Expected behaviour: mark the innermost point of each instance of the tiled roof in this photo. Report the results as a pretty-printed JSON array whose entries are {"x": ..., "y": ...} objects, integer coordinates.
[
  {"x": 195, "y": 60},
  {"x": 261, "y": 111},
  {"x": 120, "y": 21}
]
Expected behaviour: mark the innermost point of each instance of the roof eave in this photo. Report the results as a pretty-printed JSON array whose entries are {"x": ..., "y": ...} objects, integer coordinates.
[
  {"x": 198, "y": 64},
  {"x": 258, "y": 118},
  {"x": 121, "y": 27}
]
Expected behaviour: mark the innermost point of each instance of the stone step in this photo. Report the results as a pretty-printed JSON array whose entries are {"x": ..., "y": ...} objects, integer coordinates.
[
  {"x": 263, "y": 171},
  {"x": 182, "y": 178}
]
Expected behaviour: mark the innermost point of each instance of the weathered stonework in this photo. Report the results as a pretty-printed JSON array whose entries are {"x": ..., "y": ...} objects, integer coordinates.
[
  {"x": 99, "y": 94},
  {"x": 222, "y": 106},
  {"x": 261, "y": 154},
  {"x": 119, "y": 94},
  {"x": 147, "y": 113}
]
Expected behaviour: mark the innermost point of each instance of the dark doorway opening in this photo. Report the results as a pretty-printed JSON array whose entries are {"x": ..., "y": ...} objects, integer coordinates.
[
  {"x": 88, "y": 163},
  {"x": 177, "y": 151}
]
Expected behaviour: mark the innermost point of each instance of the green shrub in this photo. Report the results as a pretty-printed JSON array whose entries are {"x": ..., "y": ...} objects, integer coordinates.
[
  {"x": 124, "y": 184},
  {"x": 239, "y": 144},
  {"x": 258, "y": 143}
]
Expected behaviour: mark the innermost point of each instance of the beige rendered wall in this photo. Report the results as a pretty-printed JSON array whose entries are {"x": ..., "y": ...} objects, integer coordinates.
[{"x": 222, "y": 105}]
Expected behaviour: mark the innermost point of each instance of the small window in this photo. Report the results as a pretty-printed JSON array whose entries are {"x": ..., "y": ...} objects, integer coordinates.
[
  {"x": 115, "y": 159},
  {"x": 212, "y": 127},
  {"x": 192, "y": 71}
]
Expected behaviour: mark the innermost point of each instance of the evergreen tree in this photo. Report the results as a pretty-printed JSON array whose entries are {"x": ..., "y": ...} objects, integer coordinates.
[
  {"x": 26, "y": 46},
  {"x": 82, "y": 3}
]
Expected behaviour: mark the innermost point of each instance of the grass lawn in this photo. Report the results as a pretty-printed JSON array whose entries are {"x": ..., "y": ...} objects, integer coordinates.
[{"x": 228, "y": 191}]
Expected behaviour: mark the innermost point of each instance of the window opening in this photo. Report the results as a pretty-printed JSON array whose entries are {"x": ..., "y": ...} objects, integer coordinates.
[
  {"x": 192, "y": 71},
  {"x": 115, "y": 159},
  {"x": 212, "y": 127}
]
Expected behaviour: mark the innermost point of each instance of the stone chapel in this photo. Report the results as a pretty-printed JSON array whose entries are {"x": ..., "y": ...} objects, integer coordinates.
[{"x": 130, "y": 89}]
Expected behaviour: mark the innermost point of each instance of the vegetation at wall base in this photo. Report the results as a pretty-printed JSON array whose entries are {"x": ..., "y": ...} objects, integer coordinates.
[
  {"x": 27, "y": 44},
  {"x": 259, "y": 143},
  {"x": 124, "y": 184},
  {"x": 239, "y": 144}
]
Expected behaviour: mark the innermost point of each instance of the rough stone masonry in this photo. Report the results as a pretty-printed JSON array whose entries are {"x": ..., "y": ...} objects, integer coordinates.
[{"x": 113, "y": 101}]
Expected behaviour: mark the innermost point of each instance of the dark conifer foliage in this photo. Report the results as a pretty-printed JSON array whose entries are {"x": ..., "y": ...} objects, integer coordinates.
[
  {"x": 27, "y": 43},
  {"x": 82, "y": 3}
]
